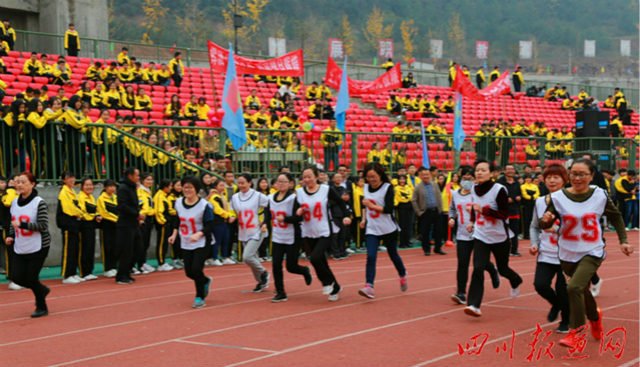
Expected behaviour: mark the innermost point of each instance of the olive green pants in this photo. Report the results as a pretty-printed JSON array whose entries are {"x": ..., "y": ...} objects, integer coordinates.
[{"x": 581, "y": 302}]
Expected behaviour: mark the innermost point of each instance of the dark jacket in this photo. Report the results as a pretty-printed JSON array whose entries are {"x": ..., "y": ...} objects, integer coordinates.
[{"x": 127, "y": 204}]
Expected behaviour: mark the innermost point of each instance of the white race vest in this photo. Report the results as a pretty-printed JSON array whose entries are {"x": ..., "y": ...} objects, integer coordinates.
[
  {"x": 191, "y": 221},
  {"x": 378, "y": 223},
  {"x": 580, "y": 233},
  {"x": 282, "y": 233},
  {"x": 316, "y": 221},
  {"x": 488, "y": 229},
  {"x": 462, "y": 204},
  {"x": 26, "y": 241},
  {"x": 246, "y": 205},
  {"x": 548, "y": 247}
]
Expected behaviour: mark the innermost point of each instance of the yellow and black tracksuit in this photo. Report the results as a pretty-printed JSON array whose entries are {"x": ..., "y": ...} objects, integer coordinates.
[
  {"x": 88, "y": 224},
  {"x": 530, "y": 192},
  {"x": 71, "y": 42},
  {"x": 176, "y": 69},
  {"x": 75, "y": 129},
  {"x": 148, "y": 210},
  {"x": 357, "y": 194},
  {"x": 406, "y": 216},
  {"x": 220, "y": 226},
  {"x": 5, "y": 221},
  {"x": 107, "y": 208},
  {"x": 68, "y": 219},
  {"x": 143, "y": 103},
  {"x": 164, "y": 221},
  {"x": 480, "y": 78}
]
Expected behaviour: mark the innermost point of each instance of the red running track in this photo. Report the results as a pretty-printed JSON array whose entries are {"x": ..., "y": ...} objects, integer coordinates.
[{"x": 151, "y": 323}]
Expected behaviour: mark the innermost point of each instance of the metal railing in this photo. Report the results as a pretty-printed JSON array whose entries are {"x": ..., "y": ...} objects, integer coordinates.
[{"x": 104, "y": 154}]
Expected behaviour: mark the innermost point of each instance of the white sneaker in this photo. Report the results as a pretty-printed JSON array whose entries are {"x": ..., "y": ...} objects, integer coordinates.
[
  {"x": 514, "y": 292},
  {"x": 110, "y": 273},
  {"x": 595, "y": 288},
  {"x": 146, "y": 268},
  {"x": 70, "y": 280},
  {"x": 350, "y": 251},
  {"x": 90, "y": 277},
  {"x": 382, "y": 248},
  {"x": 14, "y": 287},
  {"x": 135, "y": 271},
  {"x": 473, "y": 311},
  {"x": 217, "y": 262},
  {"x": 178, "y": 264},
  {"x": 165, "y": 267},
  {"x": 228, "y": 261},
  {"x": 327, "y": 289},
  {"x": 79, "y": 278},
  {"x": 208, "y": 262}
]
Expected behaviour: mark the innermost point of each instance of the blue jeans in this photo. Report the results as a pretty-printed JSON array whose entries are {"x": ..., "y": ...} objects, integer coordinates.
[
  {"x": 631, "y": 213},
  {"x": 221, "y": 235},
  {"x": 391, "y": 242}
]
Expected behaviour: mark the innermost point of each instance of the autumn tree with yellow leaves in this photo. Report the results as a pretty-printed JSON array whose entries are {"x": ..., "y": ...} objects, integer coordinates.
[
  {"x": 375, "y": 29},
  {"x": 251, "y": 12},
  {"x": 456, "y": 36},
  {"x": 154, "y": 13},
  {"x": 408, "y": 31},
  {"x": 346, "y": 34}
]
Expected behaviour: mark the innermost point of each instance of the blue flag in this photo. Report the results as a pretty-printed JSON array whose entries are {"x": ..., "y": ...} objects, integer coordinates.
[
  {"x": 425, "y": 149},
  {"x": 233, "y": 120},
  {"x": 458, "y": 131},
  {"x": 343, "y": 100}
]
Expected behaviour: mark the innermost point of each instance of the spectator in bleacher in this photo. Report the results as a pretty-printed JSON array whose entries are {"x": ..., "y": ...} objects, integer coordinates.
[
  {"x": 433, "y": 130},
  {"x": 61, "y": 73},
  {"x": 174, "y": 109},
  {"x": 94, "y": 71},
  {"x": 520, "y": 129},
  {"x": 562, "y": 93},
  {"x": 110, "y": 73},
  {"x": 75, "y": 128},
  {"x": 176, "y": 69},
  {"x": 567, "y": 104},
  {"x": 3, "y": 68},
  {"x": 261, "y": 118},
  {"x": 621, "y": 109},
  {"x": 125, "y": 74},
  {"x": 123, "y": 57},
  {"x": 190, "y": 109},
  {"x": 325, "y": 92},
  {"x": 85, "y": 93},
  {"x": 409, "y": 81},
  {"x": 15, "y": 119},
  {"x": 531, "y": 150},
  {"x": 413, "y": 132},
  {"x": 10, "y": 34},
  {"x": 97, "y": 95},
  {"x": 448, "y": 105},
  {"x": 203, "y": 109},
  {"x": 291, "y": 119},
  {"x": 407, "y": 103},
  {"x": 327, "y": 111},
  {"x": 388, "y": 65},
  {"x": 252, "y": 101},
  {"x": 312, "y": 93},
  {"x": 466, "y": 72},
  {"x": 275, "y": 104},
  {"x": 331, "y": 139},
  {"x": 503, "y": 142},
  {"x": 517, "y": 79},
  {"x": 112, "y": 98},
  {"x": 480, "y": 78},
  {"x": 32, "y": 66},
  {"x": 452, "y": 72},
  {"x": 550, "y": 94},
  {"x": 399, "y": 159},
  {"x": 62, "y": 97},
  {"x": 495, "y": 74},
  {"x": 143, "y": 101},
  {"x": 149, "y": 73},
  {"x": 394, "y": 105},
  {"x": 609, "y": 102},
  {"x": 374, "y": 155},
  {"x": 128, "y": 99},
  {"x": 71, "y": 41},
  {"x": 4, "y": 48},
  {"x": 615, "y": 127},
  {"x": 617, "y": 94},
  {"x": 3, "y": 86}
]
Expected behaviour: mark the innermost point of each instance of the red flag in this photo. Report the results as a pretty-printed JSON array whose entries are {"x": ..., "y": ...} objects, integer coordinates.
[
  {"x": 463, "y": 86},
  {"x": 498, "y": 87},
  {"x": 391, "y": 79},
  {"x": 291, "y": 64}
]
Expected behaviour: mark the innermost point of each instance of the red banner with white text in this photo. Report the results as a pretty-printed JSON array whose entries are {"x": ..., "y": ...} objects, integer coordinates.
[
  {"x": 464, "y": 86},
  {"x": 502, "y": 85},
  {"x": 291, "y": 64},
  {"x": 392, "y": 79}
]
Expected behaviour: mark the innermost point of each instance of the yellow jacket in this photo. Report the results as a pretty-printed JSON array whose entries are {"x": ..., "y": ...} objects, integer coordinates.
[
  {"x": 402, "y": 194},
  {"x": 108, "y": 207},
  {"x": 31, "y": 65},
  {"x": 175, "y": 63},
  {"x": 163, "y": 207},
  {"x": 71, "y": 34},
  {"x": 87, "y": 203},
  {"x": 145, "y": 202},
  {"x": 330, "y": 135},
  {"x": 149, "y": 156},
  {"x": 203, "y": 112},
  {"x": 221, "y": 210},
  {"x": 143, "y": 102},
  {"x": 69, "y": 202},
  {"x": 75, "y": 119},
  {"x": 9, "y": 196},
  {"x": 527, "y": 188},
  {"x": 252, "y": 100}
]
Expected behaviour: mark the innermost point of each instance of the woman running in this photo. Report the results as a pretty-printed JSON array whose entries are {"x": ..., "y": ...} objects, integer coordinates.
[
  {"x": 460, "y": 214},
  {"x": 246, "y": 205},
  {"x": 29, "y": 235},
  {"x": 283, "y": 206},
  {"x": 88, "y": 224},
  {"x": 196, "y": 219},
  {"x": 491, "y": 234},
  {"x": 380, "y": 226},
  {"x": 317, "y": 228},
  {"x": 580, "y": 243}
]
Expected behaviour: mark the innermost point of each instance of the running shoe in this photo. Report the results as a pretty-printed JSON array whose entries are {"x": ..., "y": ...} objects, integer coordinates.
[
  {"x": 367, "y": 292},
  {"x": 595, "y": 288},
  {"x": 473, "y": 311},
  {"x": 403, "y": 284},
  {"x": 596, "y": 326},
  {"x": 279, "y": 297},
  {"x": 198, "y": 303},
  {"x": 307, "y": 276},
  {"x": 207, "y": 285},
  {"x": 459, "y": 298},
  {"x": 335, "y": 294}
]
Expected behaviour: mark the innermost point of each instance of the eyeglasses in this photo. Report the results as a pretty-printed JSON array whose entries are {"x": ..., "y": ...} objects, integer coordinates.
[{"x": 579, "y": 175}]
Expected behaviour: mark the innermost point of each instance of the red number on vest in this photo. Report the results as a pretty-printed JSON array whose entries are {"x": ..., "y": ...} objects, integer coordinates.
[
  {"x": 184, "y": 226},
  {"x": 590, "y": 227},
  {"x": 317, "y": 211},
  {"x": 275, "y": 221},
  {"x": 21, "y": 232},
  {"x": 245, "y": 219},
  {"x": 482, "y": 220},
  {"x": 373, "y": 214}
]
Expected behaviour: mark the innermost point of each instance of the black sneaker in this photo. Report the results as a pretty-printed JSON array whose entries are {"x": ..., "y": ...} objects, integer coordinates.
[
  {"x": 515, "y": 254},
  {"x": 495, "y": 278},
  {"x": 427, "y": 253},
  {"x": 307, "y": 276},
  {"x": 124, "y": 281},
  {"x": 258, "y": 288},
  {"x": 279, "y": 297},
  {"x": 264, "y": 279},
  {"x": 459, "y": 298},
  {"x": 562, "y": 329},
  {"x": 39, "y": 313},
  {"x": 553, "y": 314}
]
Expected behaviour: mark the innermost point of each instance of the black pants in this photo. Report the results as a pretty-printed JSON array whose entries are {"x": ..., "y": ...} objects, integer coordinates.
[
  {"x": 291, "y": 252},
  {"x": 6, "y": 254},
  {"x": 317, "y": 254},
  {"x": 162, "y": 242},
  {"x": 542, "y": 282},
  {"x": 72, "y": 52},
  {"x": 406, "y": 219},
  {"x": 194, "y": 267},
  {"x": 264, "y": 247},
  {"x": 70, "y": 251},
  {"x": 481, "y": 255},
  {"x": 141, "y": 256},
  {"x": 338, "y": 248},
  {"x": 428, "y": 224},
  {"x": 527, "y": 216},
  {"x": 177, "y": 80},
  {"x": 87, "y": 247},
  {"x": 464, "y": 249},
  {"x": 108, "y": 238},
  {"x": 126, "y": 239},
  {"x": 26, "y": 273},
  {"x": 514, "y": 226}
]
